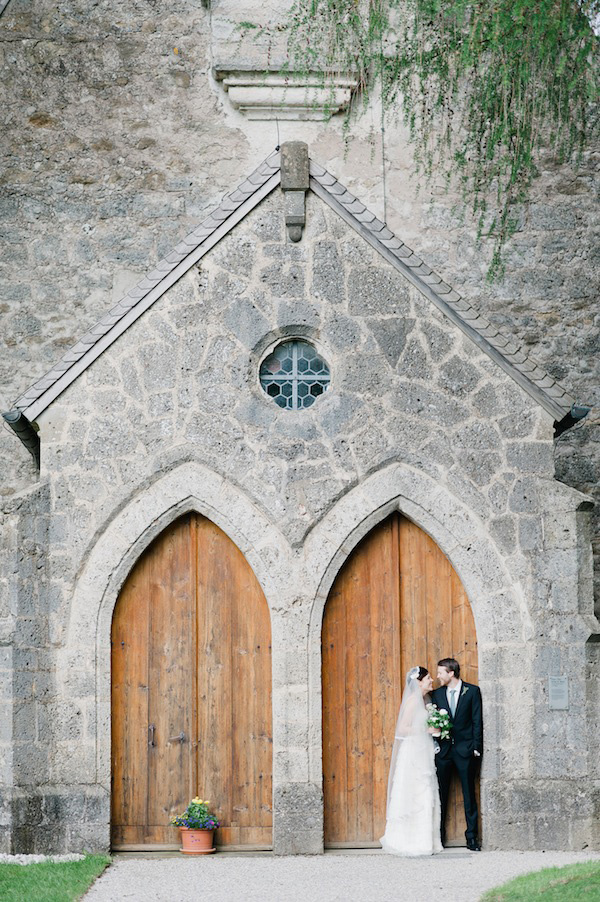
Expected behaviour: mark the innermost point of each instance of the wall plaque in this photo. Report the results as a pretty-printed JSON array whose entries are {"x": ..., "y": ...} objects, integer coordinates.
[{"x": 558, "y": 693}]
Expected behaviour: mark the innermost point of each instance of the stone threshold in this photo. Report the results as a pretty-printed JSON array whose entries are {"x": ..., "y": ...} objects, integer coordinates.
[{"x": 455, "y": 852}]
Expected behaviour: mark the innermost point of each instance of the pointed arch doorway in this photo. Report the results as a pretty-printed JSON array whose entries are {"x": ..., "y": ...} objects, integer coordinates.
[
  {"x": 396, "y": 602},
  {"x": 191, "y": 691}
]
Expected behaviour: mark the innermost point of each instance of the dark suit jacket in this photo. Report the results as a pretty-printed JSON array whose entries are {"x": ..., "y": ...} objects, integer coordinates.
[{"x": 467, "y": 724}]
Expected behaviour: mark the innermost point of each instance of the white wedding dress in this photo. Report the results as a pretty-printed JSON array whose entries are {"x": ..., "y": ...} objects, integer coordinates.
[{"x": 413, "y": 807}]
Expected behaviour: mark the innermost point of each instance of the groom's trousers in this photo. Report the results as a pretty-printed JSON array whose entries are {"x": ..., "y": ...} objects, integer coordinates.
[{"x": 466, "y": 768}]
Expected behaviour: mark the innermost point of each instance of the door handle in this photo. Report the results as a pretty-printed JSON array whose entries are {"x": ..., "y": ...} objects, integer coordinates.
[
  {"x": 180, "y": 738},
  {"x": 151, "y": 730}
]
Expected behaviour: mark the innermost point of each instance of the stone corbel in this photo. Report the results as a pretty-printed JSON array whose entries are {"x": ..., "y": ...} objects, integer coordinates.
[{"x": 294, "y": 184}]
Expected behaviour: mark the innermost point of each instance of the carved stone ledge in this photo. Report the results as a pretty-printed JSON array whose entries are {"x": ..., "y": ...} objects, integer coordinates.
[{"x": 264, "y": 95}]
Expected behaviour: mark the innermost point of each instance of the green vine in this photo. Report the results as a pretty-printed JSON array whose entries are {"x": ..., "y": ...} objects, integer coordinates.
[{"x": 486, "y": 87}]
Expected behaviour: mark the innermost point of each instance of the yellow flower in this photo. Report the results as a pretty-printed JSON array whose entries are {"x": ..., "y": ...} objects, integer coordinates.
[{"x": 207, "y": 802}]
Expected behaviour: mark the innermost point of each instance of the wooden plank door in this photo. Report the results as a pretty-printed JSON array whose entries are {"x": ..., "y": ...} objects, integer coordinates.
[
  {"x": 234, "y": 693},
  {"x": 191, "y": 691},
  {"x": 396, "y": 602},
  {"x": 437, "y": 622},
  {"x": 153, "y": 689}
]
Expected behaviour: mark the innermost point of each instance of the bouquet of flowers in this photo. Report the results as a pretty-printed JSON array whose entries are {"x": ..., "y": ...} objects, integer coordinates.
[
  {"x": 196, "y": 816},
  {"x": 440, "y": 719}
]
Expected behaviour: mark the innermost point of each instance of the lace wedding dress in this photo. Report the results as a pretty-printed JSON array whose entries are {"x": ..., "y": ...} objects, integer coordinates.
[{"x": 413, "y": 806}]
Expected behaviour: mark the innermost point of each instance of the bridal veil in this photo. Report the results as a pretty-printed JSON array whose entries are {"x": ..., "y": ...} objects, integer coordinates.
[{"x": 411, "y": 721}]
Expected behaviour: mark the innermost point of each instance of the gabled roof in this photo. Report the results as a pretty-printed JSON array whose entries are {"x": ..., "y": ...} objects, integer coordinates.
[{"x": 503, "y": 350}]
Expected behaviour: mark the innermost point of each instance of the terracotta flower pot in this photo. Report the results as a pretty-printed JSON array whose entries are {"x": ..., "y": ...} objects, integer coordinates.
[{"x": 196, "y": 842}]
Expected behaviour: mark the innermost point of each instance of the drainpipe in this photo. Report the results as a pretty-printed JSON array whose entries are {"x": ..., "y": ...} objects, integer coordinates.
[
  {"x": 577, "y": 412},
  {"x": 23, "y": 429}
]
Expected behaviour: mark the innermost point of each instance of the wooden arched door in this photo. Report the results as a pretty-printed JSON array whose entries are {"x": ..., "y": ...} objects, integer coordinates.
[
  {"x": 191, "y": 691},
  {"x": 396, "y": 602}
]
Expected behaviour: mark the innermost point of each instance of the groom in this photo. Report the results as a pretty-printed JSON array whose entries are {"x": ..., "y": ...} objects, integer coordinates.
[{"x": 464, "y": 747}]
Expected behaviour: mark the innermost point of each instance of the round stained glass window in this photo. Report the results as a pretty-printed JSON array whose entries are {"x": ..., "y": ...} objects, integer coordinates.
[{"x": 294, "y": 375}]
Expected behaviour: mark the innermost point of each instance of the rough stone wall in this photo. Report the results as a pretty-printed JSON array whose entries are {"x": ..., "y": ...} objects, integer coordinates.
[
  {"x": 26, "y": 664},
  {"x": 112, "y": 148},
  {"x": 117, "y": 141},
  {"x": 409, "y": 392}
]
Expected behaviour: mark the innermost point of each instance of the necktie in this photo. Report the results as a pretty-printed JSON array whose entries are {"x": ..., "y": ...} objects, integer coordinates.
[{"x": 453, "y": 701}]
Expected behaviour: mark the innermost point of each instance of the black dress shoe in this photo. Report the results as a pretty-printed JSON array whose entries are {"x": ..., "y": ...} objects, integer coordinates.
[{"x": 473, "y": 845}]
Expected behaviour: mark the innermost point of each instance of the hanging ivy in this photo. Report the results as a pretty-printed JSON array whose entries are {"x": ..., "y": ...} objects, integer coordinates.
[{"x": 486, "y": 88}]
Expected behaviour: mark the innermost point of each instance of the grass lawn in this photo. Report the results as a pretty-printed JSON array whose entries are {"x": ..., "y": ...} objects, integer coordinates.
[
  {"x": 50, "y": 881},
  {"x": 573, "y": 883}
]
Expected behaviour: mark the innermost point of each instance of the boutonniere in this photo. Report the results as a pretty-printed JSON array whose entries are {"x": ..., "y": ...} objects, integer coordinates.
[{"x": 464, "y": 691}]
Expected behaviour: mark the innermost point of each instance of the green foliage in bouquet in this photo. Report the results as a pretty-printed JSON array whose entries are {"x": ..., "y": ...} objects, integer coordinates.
[
  {"x": 439, "y": 719},
  {"x": 197, "y": 816}
]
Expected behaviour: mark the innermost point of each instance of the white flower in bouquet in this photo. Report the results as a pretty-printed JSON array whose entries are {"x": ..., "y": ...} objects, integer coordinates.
[{"x": 439, "y": 719}]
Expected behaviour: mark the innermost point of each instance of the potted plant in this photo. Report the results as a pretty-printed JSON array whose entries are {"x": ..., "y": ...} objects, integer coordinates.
[{"x": 197, "y": 825}]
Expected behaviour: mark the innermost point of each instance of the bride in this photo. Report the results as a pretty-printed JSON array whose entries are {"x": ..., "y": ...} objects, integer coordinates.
[{"x": 413, "y": 803}]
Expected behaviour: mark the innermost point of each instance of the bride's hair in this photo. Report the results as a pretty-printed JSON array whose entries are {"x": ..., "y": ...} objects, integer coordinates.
[{"x": 417, "y": 673}]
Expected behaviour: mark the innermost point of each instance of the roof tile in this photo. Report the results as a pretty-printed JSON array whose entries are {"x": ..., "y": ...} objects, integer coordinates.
[
  {"x": 393, "y": 243},
  {"x": 527, "y": 366},
  {"x": 357, "y": 208},
  {"x": 556, "y": 391},
  {"x": 452, "y": 297},
  {"x": 365, "y": 216},
  {"x": 402, "y": 252},
  {"x": 136, "y": 293},
  {"x": 327, "y": 180}
]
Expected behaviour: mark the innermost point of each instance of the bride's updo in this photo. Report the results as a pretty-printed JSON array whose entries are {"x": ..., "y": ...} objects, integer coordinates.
[{"x": 417, "y": 673}]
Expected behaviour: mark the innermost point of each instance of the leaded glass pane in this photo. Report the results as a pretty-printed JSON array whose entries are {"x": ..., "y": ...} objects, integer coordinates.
[
  {"x": 318, "y": 367},
  {"x": 294, "y": 375}
]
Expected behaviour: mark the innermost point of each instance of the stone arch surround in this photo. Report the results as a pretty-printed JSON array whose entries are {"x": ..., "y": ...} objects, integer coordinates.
[
  {"x": 460, "y": 534},
  {"x": 189, "y": 487},
  {"x": 462, "y": 537}
]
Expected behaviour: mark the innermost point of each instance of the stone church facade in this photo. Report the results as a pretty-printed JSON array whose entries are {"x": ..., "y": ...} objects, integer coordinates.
[{"x": 435, "y": 412}]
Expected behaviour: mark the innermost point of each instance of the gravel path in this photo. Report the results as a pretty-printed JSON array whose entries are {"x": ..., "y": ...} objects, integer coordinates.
[{"x": 455, "y": 876}]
